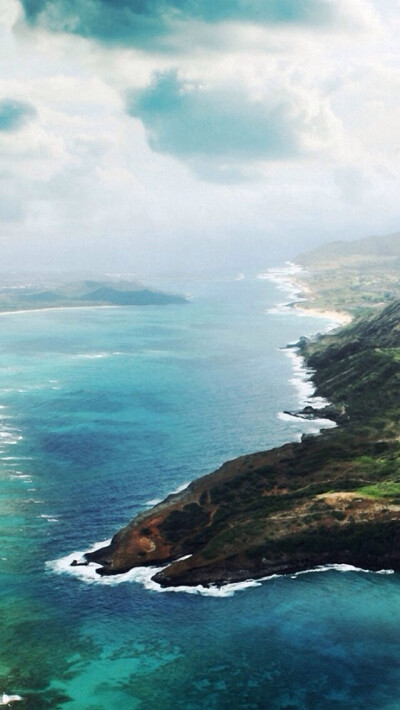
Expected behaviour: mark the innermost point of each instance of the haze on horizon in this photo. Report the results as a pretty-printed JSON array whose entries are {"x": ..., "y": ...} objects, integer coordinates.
[{"x": 181, "y": 135}]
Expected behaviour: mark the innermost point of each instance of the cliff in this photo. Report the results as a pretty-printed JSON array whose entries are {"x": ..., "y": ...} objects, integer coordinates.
[{"x": 333, "y": 498}]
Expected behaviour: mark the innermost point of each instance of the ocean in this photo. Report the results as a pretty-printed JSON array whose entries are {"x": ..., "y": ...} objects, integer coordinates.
[{"x": 105, "y": 411}]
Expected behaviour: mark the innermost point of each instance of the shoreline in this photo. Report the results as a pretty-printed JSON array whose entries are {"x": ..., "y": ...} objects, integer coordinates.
[
  {"x": 302, "y": 374},
  {"x": 88, "y": 572},
  {"x": 340, "y": 317},
  {"x": 57, "y": 308},
  {"x": 304, "y": 297},
  {"x": 271, "y": 513},
  {"x": 286, "y": 278}
]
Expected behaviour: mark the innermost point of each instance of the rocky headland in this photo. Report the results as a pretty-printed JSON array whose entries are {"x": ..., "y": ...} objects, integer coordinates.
[{"x": 332, "y": 498}]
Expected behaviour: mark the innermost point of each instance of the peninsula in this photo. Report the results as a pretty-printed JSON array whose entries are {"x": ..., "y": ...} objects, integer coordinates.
[{"x": 331, "y": 498}]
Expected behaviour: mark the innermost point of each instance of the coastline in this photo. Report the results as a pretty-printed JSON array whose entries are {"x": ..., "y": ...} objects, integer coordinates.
[
  {"x": 272, "y": 512},
  {"x": 302, "y": 304},
  {"x": 300, "y": 296},
  {"x": 340, "y": 317},
  {"x": 57, "y": 308},
  {"x": 90, "y": 572},
  {"x": 302, "y": 378},
  {"x": 301, "y": 381}
]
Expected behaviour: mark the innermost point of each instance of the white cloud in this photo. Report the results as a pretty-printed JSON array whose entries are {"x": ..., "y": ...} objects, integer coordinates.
[{"x": 82, "y": 183}]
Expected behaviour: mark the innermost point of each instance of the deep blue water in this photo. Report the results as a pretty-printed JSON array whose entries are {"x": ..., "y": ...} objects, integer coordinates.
[{"x": 104, "y": 410}]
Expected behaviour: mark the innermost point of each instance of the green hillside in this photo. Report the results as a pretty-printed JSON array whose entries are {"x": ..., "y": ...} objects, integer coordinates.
[{"x": 356, "y": 276}]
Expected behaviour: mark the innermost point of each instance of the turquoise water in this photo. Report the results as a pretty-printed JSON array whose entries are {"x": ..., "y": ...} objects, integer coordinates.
[{"x": 106, "y": 410}]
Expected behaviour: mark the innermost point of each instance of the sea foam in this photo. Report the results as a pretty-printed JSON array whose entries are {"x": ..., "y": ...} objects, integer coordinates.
[
  {"x": 6, "y": 699},
  {"x": 302, "y": 375},
  {"x": 144, "y": 575},
  {"x": 140, "y": 575}
]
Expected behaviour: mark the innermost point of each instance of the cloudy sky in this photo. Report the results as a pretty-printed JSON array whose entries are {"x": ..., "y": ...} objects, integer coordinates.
[{"x": 169, "y": 135}]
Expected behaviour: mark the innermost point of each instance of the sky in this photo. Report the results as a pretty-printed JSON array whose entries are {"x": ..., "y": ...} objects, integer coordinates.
[{"x": 195, "y": 135}]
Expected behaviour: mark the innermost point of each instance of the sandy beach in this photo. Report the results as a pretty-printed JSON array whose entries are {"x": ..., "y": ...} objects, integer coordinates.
[
  {"x": 341, "y": 317},
  {"x": 54, "y": 308},
  {"x": 300, "y": 293}
]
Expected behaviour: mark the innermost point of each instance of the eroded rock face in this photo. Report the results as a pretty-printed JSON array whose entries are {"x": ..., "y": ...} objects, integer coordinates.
[{"x": 333, "y": 498}]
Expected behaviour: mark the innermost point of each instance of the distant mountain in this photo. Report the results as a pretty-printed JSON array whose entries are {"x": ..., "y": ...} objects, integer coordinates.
[
  {"x": 41, "y": 296},
  {"x": 79, "y": 289},
  {"x": 383, "y": 247},
  {"x": 86, "y": 293},
  {"x": 139, "y": 297}
]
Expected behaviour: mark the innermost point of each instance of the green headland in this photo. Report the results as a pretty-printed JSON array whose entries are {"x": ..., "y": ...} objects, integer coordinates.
[{"x": 332, "y": 498}]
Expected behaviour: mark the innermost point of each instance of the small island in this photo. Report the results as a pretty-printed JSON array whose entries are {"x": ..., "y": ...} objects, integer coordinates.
[
  {"x": 45, "y": 293},
  {"x": 333, "y": 498}
]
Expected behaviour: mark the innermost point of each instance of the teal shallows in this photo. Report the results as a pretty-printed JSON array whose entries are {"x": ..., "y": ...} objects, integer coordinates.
[{"x": 107, "y": 409}]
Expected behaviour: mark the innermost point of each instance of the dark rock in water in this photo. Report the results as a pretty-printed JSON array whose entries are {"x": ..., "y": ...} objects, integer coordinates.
[
  {"x": 332, "y": 498},
  {"x": 75, "y": 563},
  {"x": 330, "y": 411}
]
